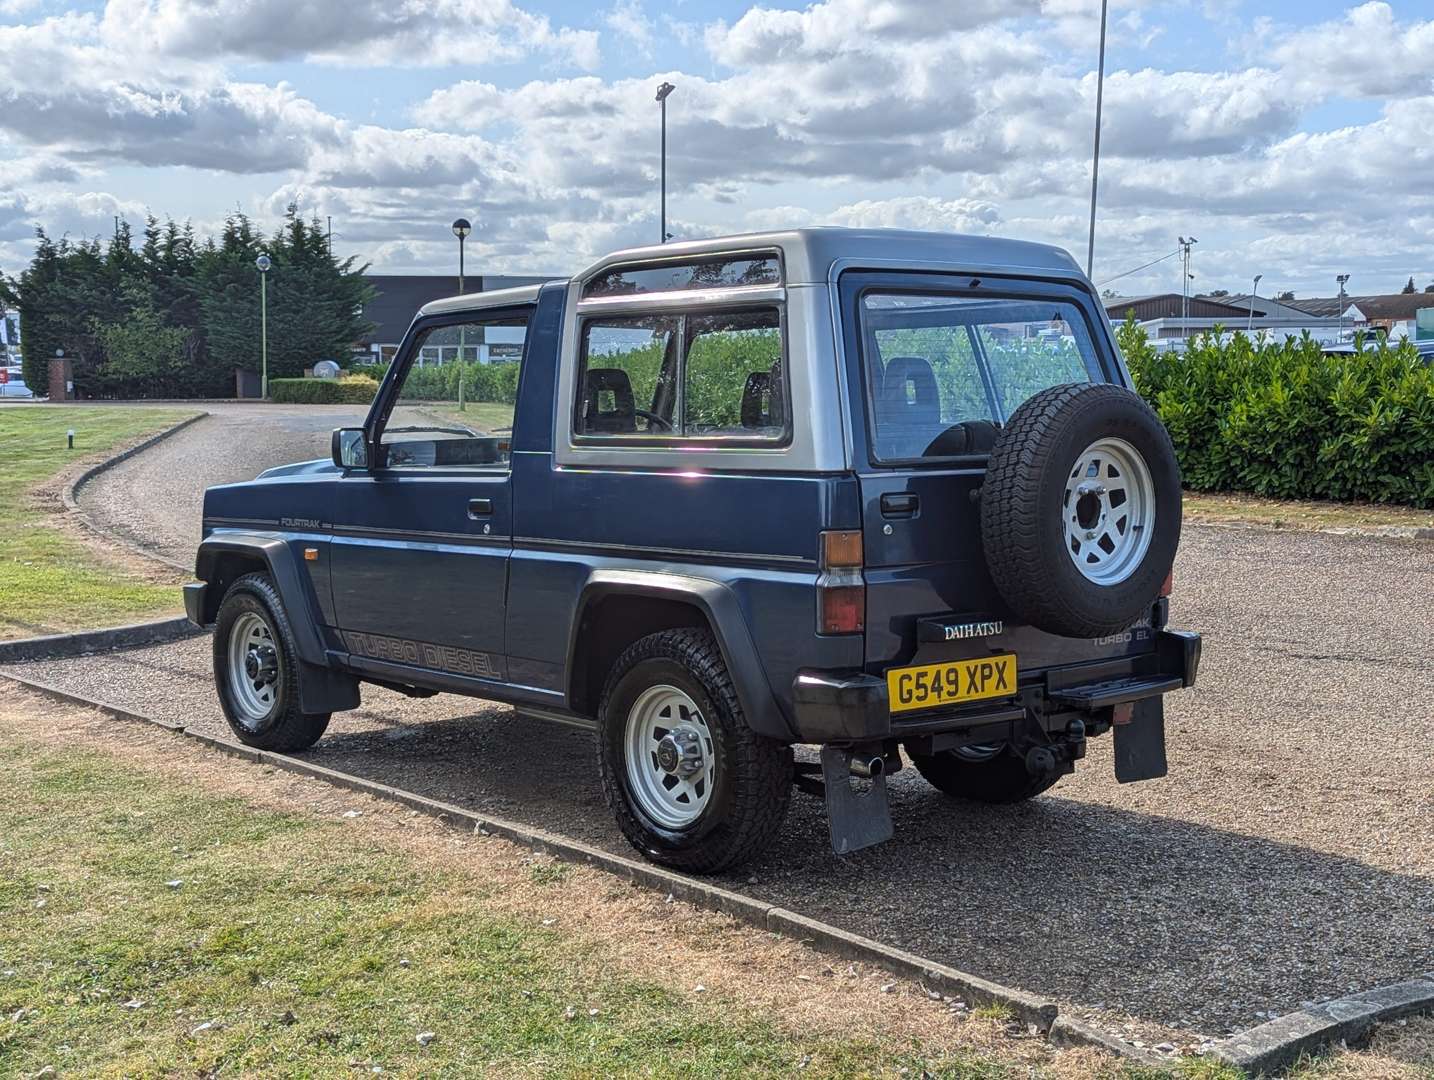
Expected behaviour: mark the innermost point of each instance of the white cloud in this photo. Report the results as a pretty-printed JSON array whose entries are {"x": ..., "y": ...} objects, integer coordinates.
[
  {"x": 367, "y": 32},
  {"x": 1368, "y": 53},
  {"x": 628, "y": 20}
]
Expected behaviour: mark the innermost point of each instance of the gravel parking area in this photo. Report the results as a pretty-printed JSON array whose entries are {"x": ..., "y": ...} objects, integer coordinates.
[
  {"x": 155, "y": 499},
  {"x": 1287, "y": 857}
]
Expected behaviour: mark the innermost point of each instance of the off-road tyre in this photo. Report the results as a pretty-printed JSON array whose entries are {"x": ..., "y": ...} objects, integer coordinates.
[
  {"x": 753, "y": 781},
  {"x": 286, "y": 728},
  {"x": 1022, "y": 500},
  {"x": 1001, "y": 779}
]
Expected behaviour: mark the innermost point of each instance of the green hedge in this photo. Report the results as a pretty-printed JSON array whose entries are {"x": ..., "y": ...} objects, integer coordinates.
[
  {"x": 1284, "y": 420},
  {"x": 353, "y": 390},
  {"x": 439, "y": 382}
]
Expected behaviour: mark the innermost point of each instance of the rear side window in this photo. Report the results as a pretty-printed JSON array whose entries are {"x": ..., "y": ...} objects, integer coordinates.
[
  {"x": 710, "y": 376},
  {"x": 943, "y": 371}
]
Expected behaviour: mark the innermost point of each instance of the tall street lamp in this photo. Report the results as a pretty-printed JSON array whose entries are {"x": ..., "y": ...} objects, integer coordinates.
[
  {"x": 1250, "y": 322},
  {"x": 662, "y": 94},
  {"x": 263, "y": 263},
  {"x": 1342, "y": 279},
  {"x": 461, "y": 229},
  {"x": 1095, "y": 155}
]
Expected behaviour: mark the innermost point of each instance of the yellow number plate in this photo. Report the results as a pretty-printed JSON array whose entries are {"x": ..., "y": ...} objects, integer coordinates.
[{"x": 930, "y": 685}]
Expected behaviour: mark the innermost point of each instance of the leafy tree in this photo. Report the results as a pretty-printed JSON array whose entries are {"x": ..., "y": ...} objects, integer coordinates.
[
  {"x": 1288, "y": 294},
  {"x": 144, "y": 354}
]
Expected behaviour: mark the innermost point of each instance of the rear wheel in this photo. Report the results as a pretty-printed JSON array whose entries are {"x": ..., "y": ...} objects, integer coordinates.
[
  {"x": 988, "y": 774},
  {"x": 691, "y": 785},
  {"x": 256, "y": 670}
]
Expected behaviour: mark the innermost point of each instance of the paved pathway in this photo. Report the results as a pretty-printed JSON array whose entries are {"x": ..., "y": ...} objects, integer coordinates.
[{"x": 155, "y": 498}]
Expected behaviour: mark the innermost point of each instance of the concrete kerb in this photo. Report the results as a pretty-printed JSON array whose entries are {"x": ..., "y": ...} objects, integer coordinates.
[
  {"x": 1273, "y": 1046},
  {"x": 54, "y": 646},
  {"x": 1359, "y": 532},
  {"x": 71, "y": 490}
]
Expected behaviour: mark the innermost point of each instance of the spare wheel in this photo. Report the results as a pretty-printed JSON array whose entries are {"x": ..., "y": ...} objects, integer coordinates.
[{"x": 1080, "y": 509}]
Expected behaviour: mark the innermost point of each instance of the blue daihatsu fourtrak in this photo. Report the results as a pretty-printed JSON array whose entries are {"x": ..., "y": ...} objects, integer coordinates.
[{"x": 872, "y": 491}]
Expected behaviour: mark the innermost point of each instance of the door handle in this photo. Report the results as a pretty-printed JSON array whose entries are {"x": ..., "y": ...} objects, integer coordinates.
[
  {"x": 899, "y": 504},
  {"x": 480, "y": 508}
]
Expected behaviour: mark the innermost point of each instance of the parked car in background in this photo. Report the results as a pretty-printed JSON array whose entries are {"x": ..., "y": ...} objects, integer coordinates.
[
  {"x": 868, "y": 491},
  {"x": 1425, "y": 349},
  {"x": 12, "y": 383}
]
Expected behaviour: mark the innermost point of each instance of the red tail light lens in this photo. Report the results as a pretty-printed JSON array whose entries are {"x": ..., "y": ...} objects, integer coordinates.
[
  {"x": 1168, "y": 584},
  {"x": 843, "y": 609}
]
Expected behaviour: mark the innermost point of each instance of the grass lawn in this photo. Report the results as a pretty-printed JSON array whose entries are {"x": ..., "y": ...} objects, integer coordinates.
[
  {"x": 49, "y": 579},
  {"x": 488, "y": 417}
]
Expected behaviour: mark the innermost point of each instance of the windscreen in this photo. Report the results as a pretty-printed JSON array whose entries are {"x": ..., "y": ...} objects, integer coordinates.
[{"x": 943, "y": 372}]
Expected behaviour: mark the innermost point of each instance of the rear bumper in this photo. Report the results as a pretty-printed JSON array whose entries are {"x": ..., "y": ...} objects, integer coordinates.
[{"x": 832, "y": 707}]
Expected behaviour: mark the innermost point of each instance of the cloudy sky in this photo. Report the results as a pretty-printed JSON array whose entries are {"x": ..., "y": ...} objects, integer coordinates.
[{"x": 1294, "y": 139}]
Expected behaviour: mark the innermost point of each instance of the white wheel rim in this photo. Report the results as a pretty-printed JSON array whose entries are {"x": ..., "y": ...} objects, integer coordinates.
[
  {"x": 671, "y": 762},
  {"x": 1108, "y": 514},
  {"x": 254, "y": 669},
  {"x": 981, "y": 752}
]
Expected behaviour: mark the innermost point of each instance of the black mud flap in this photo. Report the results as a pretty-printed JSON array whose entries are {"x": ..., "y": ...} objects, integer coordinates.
[
  {"x": 857, "y": 820},
  {"x": 1140, "y": 743}
]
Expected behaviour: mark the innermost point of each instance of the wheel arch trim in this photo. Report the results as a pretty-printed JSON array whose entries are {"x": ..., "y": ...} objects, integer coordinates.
[
  {"x": 719, "y": 606},
  {"x": 278, "y": 559}
]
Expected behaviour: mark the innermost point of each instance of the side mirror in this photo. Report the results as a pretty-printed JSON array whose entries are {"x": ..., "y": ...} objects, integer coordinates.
[{"x": 349, "y": 448}]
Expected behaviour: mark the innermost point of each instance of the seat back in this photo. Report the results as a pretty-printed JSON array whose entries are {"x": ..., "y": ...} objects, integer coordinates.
[
  {"x": 607, "y": 402},
  {"x": 762, "y": 399},
  {"x": 908, "y": 409}
]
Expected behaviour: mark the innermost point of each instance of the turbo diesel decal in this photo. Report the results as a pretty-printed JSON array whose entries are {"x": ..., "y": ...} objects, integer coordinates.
[{"x": 421, "y": 654}]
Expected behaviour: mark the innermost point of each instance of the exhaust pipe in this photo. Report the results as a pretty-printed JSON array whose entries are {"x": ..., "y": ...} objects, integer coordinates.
[{"x": 868, "y": 768}]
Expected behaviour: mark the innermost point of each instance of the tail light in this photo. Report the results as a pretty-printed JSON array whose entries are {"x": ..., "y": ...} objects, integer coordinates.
[
  {"x": 1168, "y": 585},
  {"x": 841, "y": 589}
]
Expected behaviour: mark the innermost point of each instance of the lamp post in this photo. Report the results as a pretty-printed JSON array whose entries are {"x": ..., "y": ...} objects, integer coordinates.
[
  {"x": 263, "y": 263},
  {"x": 1095, "y": 154},
  {"x": 461, "y": 229},
  {"x": 1250, "y": 323},
  {"x": 1341, "y": 279},
  {"x": 662, "y": 94}
]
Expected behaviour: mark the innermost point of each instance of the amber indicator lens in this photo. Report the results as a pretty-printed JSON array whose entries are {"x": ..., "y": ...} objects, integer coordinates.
[{"x": 841, "y": 548}]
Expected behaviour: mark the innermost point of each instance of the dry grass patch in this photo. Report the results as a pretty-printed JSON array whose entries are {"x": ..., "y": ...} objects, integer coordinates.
[{"x": 1234, "y": 509}]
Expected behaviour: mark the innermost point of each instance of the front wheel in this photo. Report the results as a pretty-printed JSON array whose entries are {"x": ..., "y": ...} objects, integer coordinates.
[
  {"x": 988, "y": 774},
  {"x": 256, "y": 670},
  {"x": 691, "y": 785}
]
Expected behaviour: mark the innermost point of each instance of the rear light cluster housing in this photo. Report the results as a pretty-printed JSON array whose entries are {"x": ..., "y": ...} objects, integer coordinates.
[{"x": 841, "y": 588}]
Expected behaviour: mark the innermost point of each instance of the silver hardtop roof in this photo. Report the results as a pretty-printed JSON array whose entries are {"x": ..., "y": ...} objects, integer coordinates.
[{"x": 809, "y": 254}]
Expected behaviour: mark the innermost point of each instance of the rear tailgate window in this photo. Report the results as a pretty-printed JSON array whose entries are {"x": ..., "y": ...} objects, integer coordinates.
[{"x": 942, "y": 371}]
